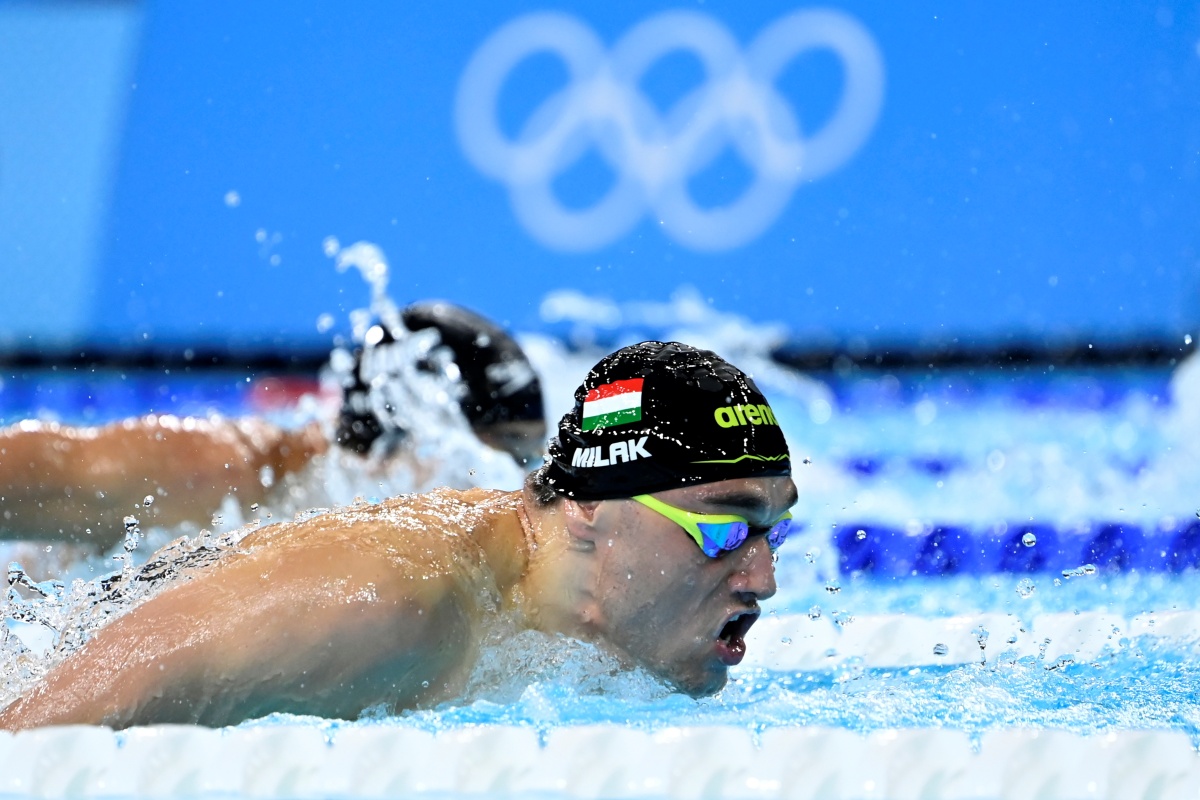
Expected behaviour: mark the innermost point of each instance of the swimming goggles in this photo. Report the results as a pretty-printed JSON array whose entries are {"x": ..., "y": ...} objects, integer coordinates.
[{"x": 716, "y": 533}]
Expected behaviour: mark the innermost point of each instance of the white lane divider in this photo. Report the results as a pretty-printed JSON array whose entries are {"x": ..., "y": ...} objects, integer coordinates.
[
  {"x": 591, "y": 762},
  {"x": 795, "y": 642}
]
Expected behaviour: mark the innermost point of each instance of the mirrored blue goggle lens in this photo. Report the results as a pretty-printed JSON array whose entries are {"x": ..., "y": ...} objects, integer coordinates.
[
  {"x": 720, "y": 536},
  {"x": 779, "y": 533}
]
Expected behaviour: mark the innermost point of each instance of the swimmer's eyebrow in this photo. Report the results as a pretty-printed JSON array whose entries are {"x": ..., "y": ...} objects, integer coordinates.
[{"x": 749, "y": 503}]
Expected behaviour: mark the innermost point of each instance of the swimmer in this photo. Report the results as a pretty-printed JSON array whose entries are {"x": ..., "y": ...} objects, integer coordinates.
[
  {"x": 76, "y": 484},
  {"x": 650, "y": 531}
]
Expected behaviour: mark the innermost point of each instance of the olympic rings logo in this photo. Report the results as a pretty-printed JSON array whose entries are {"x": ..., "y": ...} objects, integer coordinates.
[{"x": 654, "y": 155}]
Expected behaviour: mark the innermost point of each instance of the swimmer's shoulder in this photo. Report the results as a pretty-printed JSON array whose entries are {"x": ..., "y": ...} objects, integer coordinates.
[
  {"x": 488, "y": 517},
  {"x": 477, "y": 525},
  {"x": 463, "y": 509}
]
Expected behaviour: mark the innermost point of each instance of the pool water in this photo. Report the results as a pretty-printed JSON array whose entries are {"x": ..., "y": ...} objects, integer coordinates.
[{"x": 865, "y": 639}]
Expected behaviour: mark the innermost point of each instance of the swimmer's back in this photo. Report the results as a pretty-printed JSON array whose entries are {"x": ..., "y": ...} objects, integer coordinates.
[{"x": 364, "y": 605}]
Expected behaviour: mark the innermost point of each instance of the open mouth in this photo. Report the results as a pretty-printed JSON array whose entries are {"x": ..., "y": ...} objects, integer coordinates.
[{"x": 731, "y": 641}]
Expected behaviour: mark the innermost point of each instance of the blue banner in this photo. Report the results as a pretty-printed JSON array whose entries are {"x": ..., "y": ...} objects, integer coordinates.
[{"x": 869, "y": 174}]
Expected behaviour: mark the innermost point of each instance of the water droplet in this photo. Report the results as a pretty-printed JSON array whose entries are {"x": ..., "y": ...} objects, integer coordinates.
[
  {"x": 860, "y": 535},
  {"x": 148, "y": 500},
  {"x": 131, "y": 522},
  {"x": 330, "y": 246},
  {"x": 324, "y": 323},
  {"x": 233, "y": 199},
  {"x": 786, "y": 640},
  {"x": 833, "y": 586},
  {"x": 254, "y": 506},
  {"x": 1029, "y": 540},
  {"x": 814, "y": 613},
  {"x": 940, "y": 649},
  {"x": 216, "y": 520},
  {"x": 1061, "y": 662},
  {"x": 1025, "y": 587},
  {"x": 424, "y": 684},
  {"x": 810, "y": 558},
  {"x": 49, "y": 548}
]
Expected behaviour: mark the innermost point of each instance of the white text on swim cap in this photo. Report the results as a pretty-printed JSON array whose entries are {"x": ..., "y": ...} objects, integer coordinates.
[{"x": 628, "y": 450}]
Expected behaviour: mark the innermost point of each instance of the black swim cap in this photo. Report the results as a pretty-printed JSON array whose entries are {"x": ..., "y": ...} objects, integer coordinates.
[
  {"x": 657, "y": 416},
  {"x": 499, "y": 384}
]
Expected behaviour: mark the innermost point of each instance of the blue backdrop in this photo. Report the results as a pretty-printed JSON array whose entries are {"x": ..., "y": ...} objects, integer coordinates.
[{"x": 169, "y": 170}]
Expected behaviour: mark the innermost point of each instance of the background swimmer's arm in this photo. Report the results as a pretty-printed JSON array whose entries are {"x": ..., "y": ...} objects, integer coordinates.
[
  {"x": 57, "y": 481},
  {"x": 328, "y": 629}
]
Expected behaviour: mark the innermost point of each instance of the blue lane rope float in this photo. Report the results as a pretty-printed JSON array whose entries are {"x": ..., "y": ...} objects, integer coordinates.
[{"x": 1029, "y": 547}]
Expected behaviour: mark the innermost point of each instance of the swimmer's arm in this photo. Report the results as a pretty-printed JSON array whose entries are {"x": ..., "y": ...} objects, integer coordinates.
[
  {"x": 329, "y": 631},
  {"x": 57, "y": 481}
]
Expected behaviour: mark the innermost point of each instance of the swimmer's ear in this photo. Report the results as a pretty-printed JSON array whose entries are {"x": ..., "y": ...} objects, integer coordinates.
[{"x": 584, "y": 518}]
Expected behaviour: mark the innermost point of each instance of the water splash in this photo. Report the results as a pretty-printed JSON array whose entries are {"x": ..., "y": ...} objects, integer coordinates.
[
  {"x": 41, "y": 623},
  {"x": 415, "y": 389},
  {"x": 596, "y": 325}
]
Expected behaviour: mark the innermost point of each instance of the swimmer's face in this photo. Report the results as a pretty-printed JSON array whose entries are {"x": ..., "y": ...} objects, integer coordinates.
[
  {"x": 668, "y": 606},
  {"x": 525, "y": 441}
]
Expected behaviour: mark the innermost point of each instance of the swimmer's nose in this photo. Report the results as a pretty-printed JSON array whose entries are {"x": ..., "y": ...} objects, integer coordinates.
[{"x": 755, "y": 573}]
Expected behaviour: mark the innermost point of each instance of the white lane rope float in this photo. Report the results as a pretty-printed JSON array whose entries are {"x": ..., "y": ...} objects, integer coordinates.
[
  {"x": 300, "y": 762},
  {"x": 653, "y": 154}
]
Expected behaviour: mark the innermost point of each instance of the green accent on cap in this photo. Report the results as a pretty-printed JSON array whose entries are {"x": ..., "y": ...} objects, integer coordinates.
[
  {"x": 742, "y": 458},
  {"x": 622, "y": 417}
]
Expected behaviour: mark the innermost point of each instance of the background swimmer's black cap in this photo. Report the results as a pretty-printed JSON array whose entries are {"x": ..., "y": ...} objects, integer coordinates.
[
  {"x": 657, "y": 416},
  {"x": 500, "y": 384}
]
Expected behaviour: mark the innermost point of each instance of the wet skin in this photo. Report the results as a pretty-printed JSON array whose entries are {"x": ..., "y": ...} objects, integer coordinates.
[
  {"x": 66, "y": 483},
  {"x": 76, "y": 484},
  {"x": 385, "y": 603}
]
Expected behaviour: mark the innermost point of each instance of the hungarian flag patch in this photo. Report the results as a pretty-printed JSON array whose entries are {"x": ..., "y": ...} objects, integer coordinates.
[{"x": 616, "y": 403}]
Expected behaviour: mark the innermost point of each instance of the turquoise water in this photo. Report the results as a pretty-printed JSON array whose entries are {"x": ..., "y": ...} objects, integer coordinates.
[{"x": 904, "y": 450}]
